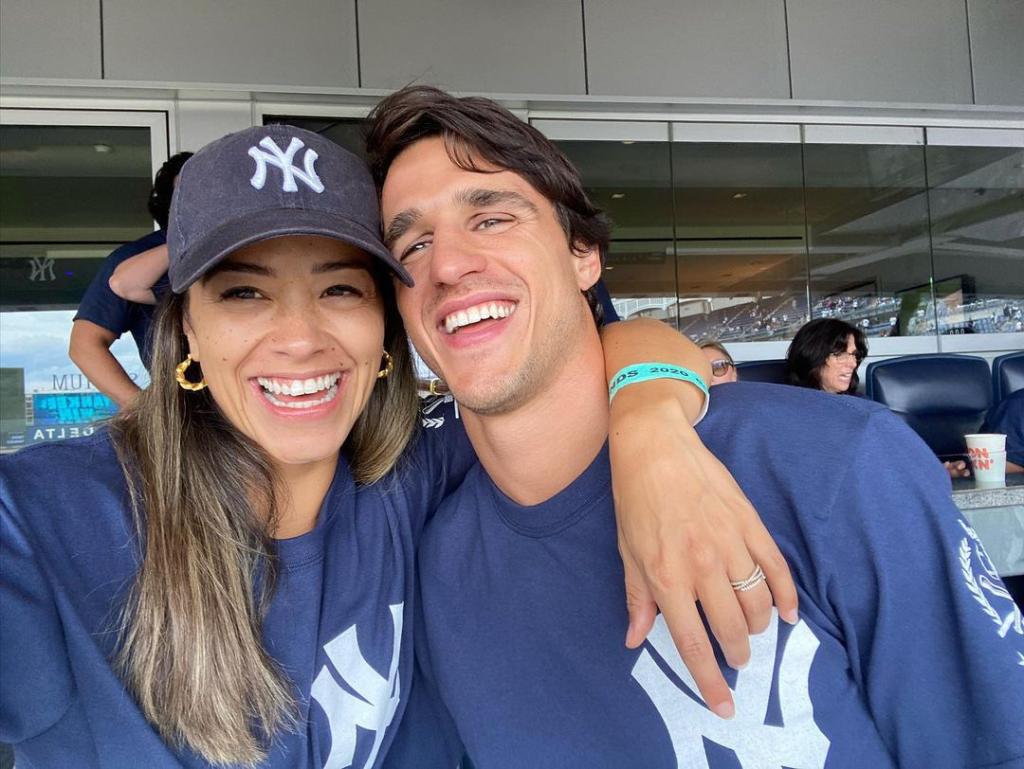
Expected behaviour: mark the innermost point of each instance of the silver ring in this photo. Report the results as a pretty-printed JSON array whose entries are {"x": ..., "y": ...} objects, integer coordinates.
[{"x": 750, "y": 582}]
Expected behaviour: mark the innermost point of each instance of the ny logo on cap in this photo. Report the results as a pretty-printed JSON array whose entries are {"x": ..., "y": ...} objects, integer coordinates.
[{"x": 283, "y": 160}]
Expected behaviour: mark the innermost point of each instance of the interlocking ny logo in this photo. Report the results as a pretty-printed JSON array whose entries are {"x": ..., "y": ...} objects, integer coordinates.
[
  {"x": 374, "y": 703},
  {"x": 283, "y": 160},
  {"x": 42, "y": 269},
  {"x": 798, "y": 743}
]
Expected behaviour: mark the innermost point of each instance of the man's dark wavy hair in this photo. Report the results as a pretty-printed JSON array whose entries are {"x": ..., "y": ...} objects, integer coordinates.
[
  {"x": 163, "y": 188},
  {"x": 812, "y": 345},
  {"x": 475, "y": 129}
]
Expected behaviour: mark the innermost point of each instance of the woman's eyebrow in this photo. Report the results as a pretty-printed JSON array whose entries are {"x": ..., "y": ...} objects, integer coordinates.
[
  {"x": 340, "y": 264},
  {"x": 232, "y": 266}
]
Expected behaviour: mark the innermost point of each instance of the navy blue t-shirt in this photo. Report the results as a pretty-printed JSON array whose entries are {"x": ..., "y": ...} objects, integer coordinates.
[
  {"x": 103, "y": 307},
  {"x": 339, "y": 625},
  {"x": 1008, "y": 418},
  {"x": 908, "y": 651}
]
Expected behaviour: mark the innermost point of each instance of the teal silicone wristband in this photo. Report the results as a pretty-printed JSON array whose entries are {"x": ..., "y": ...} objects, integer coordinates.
[{"x": 645, "y": 372}]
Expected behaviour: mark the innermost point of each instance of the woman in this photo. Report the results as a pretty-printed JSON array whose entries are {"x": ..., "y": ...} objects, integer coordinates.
[
  {"x": 825, "y": 354},
  {"x": 723, "y": 367},
  {"x": 239, "y": 591}
]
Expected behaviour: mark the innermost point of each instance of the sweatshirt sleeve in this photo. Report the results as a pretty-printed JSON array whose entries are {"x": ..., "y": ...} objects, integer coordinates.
[{"x": 935, "y": 640}]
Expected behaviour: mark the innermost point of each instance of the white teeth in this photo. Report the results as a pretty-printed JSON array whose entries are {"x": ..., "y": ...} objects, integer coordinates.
[
  {"x": 477, "y": 313},
  {"x": 297, "y": 387},
  {"x": 328, "y": 396}
]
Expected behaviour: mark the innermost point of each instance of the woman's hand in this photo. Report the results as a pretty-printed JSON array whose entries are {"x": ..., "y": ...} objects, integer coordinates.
[{"x": 685, "y": 531}]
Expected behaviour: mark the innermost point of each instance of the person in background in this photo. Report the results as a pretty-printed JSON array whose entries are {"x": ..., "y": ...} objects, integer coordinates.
[
  {"x": 103, "y": 316},
  {"x": 825, "y": 354},
  {"x": 723, "y": 367},
  {"x": 1008, "y": 418}
]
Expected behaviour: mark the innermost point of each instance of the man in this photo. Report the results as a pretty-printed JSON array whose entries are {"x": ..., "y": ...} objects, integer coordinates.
[
  {"x": 103, "y": 316},
  {"x": 905, "y": 653}
]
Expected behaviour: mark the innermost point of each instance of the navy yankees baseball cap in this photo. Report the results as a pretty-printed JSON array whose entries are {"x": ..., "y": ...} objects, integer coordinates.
[{"x": 265, "y": 182}]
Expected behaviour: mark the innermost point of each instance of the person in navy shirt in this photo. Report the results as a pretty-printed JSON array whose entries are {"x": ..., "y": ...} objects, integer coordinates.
[
  {"x": 103, "y": 316},
  {"x": 906, "y": 651},
  {"x": 224, "y": 576},
  {"x": 1007, "y": 417}
]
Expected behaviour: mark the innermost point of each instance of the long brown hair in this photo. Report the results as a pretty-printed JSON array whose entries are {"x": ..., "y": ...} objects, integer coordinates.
[{"x": 190, "y": 649}]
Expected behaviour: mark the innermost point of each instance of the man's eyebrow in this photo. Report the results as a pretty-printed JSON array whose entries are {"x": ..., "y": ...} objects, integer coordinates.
[
  {"x": 232, "y": 266},
  {"x": 479, "y": 197},
  {"x": 400, "y": 225},
  {"x": 474, "y": 197}
]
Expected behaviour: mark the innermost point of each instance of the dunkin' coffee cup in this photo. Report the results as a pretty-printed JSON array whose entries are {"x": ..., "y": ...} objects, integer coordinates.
[{"x": 987, "y": 452}]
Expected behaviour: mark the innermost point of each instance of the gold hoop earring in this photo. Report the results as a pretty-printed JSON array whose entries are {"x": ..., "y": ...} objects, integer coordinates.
[
  {"x": 389, "y": 366},
  {"x": 183, "y": 381}
]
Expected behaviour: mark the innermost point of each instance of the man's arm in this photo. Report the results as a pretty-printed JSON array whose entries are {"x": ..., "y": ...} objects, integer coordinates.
[
  {"x": 685, "y": 528},
  {"x": 134, "y": 278},
  {"x": 90, "y": 351},
  {"x": 935, "y": 642}
]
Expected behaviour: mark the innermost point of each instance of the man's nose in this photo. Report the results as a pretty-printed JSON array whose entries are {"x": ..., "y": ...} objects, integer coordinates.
[{"x": 454, "y": 256}]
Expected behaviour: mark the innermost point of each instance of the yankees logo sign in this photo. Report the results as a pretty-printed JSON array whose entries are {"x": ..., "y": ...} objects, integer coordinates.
[
  {"x": 272, "y": 155},
  {"x": 42, "y": 269}
]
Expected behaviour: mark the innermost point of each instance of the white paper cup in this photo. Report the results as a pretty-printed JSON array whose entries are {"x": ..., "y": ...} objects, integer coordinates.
[
  {"x": 986, "y": 441},
  {"x": 989, "y": 467}
]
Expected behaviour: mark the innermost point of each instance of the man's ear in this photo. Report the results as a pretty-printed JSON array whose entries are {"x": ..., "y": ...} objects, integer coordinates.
[{"x": 587, "y": 264}]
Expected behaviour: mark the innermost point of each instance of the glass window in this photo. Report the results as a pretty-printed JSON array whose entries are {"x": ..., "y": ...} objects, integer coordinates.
[
  {"x": 631, "y": 181},
  {"x": 769, "y": 225},
  {"x": 69, "y": 195},
  {"x": 740, "y": 240},
  {"x": 976, "y": 198},
  {"x": 867, "y": 224},
  {"x": 348, "y": 132}
]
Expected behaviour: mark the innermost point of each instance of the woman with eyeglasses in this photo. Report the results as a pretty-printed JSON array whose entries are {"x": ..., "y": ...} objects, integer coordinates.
[
  {"x": 723, "y": 367},
  {"x": 825, "y": 354}
]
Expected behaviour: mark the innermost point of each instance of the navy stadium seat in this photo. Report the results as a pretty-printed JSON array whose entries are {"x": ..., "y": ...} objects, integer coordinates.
[
  {"x": 773, "y": 371},
  {"x": 942, "y": 397},
  {"x": 1007, "y": 375}
]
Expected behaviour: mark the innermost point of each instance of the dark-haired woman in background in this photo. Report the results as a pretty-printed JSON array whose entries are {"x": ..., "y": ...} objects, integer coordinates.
[{"x": 825, "y": 354}]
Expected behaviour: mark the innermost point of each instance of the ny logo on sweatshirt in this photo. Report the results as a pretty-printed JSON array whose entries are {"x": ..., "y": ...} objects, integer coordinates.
[
  {"x": 374, "y": 703},
  {"x": 798, "y": 742}
]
